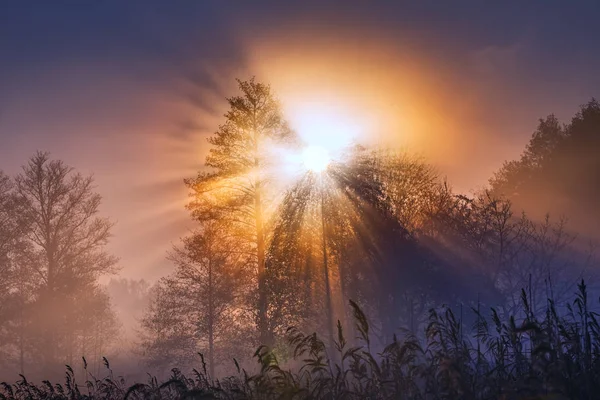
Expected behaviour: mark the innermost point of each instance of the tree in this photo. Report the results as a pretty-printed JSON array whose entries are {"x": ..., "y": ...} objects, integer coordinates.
[
  {"x": 9, "y": 234},
  {"x": 521, "y": 178},
  {"x": 94, "y": 326},
  {"x": 411, "y": 185},
  {"x": 202, "y": 294},
  {"x": 167, "y": 334},
  {"x": 295, "y": 284},
  {"x": 236, "y": 186},
  {"x": 67, "y": 242},
  {"x": 371, "y": 256},
  {"x": 504, "y": 252},
  {"x": 558, "y": 171},
  {"x": 209, "y": 276},
  {"x": 17, "y": 284},
  {"x": 7, "y": 223}
]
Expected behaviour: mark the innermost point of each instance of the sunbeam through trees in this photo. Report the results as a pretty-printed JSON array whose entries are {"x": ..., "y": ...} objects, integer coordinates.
[{"x": 299, "y": 201}]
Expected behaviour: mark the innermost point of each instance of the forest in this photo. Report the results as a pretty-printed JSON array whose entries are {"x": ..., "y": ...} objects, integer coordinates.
[{"x": 310, "y": 275}]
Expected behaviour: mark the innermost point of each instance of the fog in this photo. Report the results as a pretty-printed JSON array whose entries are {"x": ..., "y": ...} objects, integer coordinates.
[{"x": 130, "y": 93}]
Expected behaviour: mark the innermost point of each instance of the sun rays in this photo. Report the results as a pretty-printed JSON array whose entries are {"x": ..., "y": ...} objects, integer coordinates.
[{"x": 316, "y": 158}]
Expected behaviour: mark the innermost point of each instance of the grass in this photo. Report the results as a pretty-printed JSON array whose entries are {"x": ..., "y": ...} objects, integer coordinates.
[{"x": 552, "y": 356}]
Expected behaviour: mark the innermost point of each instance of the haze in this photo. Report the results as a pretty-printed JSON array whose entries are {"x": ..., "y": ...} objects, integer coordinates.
[{"x": 130, "y": 91}]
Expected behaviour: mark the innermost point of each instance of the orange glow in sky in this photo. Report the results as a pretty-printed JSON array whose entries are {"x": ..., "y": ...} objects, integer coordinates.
[{"x": 142, "y": 134}]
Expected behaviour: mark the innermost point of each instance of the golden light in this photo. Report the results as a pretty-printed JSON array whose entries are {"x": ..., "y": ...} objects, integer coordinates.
[
  {"x": 325, "y": 132},
  {"x": 326, "y": 128},
  {"x": 322, "y": 126},
  {"x": 315, "y": 158}
]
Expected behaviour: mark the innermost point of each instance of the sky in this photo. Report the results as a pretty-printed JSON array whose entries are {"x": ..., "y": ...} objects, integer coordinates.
[{"x": 129, "y": 91}]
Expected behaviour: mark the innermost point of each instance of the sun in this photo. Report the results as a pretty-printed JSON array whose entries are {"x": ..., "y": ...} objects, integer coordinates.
[{"x": 316, "y": 158}]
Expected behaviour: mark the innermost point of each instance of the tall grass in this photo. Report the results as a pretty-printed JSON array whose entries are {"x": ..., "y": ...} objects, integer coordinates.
[{"x": 552, "y": 356}]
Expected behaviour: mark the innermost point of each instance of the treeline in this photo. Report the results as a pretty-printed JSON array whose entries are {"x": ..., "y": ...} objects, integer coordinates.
[
  {"x": 377, "y": 226},
  {"x": 52, "y": 252},
  {"x": 559, "y": 170}
]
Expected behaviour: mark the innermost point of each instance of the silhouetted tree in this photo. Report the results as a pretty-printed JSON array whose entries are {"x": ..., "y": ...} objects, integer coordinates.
[
  {"x": 235, "y": 186},
  {"x": 93, "y": 327},
  {"x": 295, "y": 276},
  {"x": 372, "y": 257},
  {"x": 17, "y": 282},
  {"x": 167, "y": 334},
  {"x": 9, "y": 235},
  {"x": 203, "y": 292},
  {"x": 67, "y": 242},
  {"x": 411, "y": 185},
  {"x": 558, "y": 171},
  {"x": 501, "y": 252}
]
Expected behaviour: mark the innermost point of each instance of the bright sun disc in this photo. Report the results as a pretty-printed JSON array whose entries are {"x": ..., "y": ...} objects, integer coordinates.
[{"x": 315, "y": 158}]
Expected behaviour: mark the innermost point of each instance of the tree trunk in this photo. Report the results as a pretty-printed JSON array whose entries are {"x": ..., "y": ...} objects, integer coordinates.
[
  {"x": 260, "y": 247},
  {"x": 22, "y": 302},
  {"x": 211, "y": 322},
  {"x": 50, "y": 306},
  {"x": 329, "y": 303},
  {"x": 49, "y": 328},
  {"x": 22, "y": 342},
  {"x": 262, "y": 292}
]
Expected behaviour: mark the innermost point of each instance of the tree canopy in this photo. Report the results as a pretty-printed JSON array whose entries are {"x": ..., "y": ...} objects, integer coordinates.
[{"x": 559, "y": 170}]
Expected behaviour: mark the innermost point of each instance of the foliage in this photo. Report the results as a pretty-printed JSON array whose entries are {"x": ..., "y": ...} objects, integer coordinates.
[
  {"x": 559, "y": 169},
  {"x": 235, "y": 188}
]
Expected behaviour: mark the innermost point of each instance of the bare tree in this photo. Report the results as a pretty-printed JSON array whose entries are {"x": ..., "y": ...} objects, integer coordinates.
[
  {"x": 16, "y": 283},
  {"x": 94, "y": 326},
  {"x": 203, "y": 292},
  {"x": 67, "y": 237},
  {"x": 7, "y": 268},
  {"x": 167, "y": 335}
]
